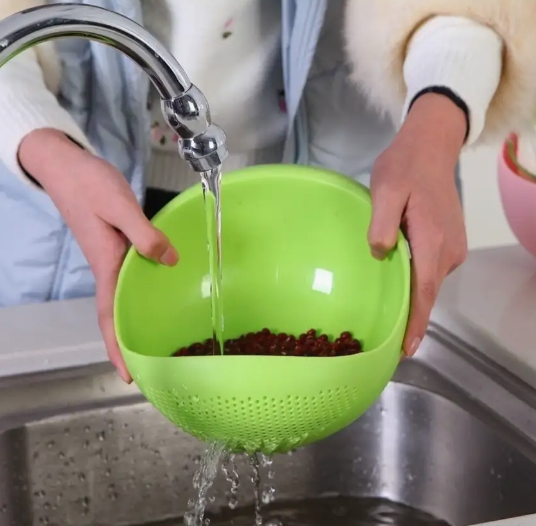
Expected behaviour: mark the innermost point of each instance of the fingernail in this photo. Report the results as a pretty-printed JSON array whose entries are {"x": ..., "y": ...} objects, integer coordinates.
[
  {"x": 414, "y": 346},
  {"x": 377, "y": 254},
  {"x": 170, "y": 257},
  {"x": 124, "y": 375}
]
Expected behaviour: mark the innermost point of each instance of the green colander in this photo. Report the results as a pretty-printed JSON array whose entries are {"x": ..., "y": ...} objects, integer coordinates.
[{"x": 295, "y": 257}]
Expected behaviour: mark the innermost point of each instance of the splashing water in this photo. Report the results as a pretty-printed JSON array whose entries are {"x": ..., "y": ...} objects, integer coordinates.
[
  {"x": 211, "y": 181},
  {"x": 334, "y": 511},
  {"x": 256, "y": 481},
  {"x": 203, "y": 479},
  {"x": 205, "y": 476},
  {"x": 230, "y": 473},
  {"x": 268, "y": 489},
  {"x": 263, "y": 493}
]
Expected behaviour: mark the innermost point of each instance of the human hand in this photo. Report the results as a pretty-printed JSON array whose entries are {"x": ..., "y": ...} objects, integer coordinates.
[
  {"x": 413, "y": 187},
  {"x": 103, "y": 214}
]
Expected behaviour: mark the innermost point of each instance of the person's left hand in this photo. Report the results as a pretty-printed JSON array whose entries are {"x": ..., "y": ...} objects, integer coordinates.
[{"x": 413, "y": 187}]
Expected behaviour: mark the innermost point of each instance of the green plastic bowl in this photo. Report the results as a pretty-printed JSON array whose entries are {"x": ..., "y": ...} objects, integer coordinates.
[{"x": 295, "y": 257}]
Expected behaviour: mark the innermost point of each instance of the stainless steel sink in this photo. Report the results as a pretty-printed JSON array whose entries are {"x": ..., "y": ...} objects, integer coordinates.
[{"x": 452, "y": 435}]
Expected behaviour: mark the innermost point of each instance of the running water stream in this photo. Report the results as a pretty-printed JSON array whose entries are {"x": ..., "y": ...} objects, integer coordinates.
[
  {"x": 216, "y": 456},
  {"x": 211, "y": 181},
  {"x": 332, "y": 511}
]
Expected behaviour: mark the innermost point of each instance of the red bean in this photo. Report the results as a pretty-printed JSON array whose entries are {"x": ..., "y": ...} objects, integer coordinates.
[{"x": 266, "y": 343}]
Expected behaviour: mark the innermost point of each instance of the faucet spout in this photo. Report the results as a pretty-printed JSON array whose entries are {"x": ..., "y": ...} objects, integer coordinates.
[{"x": 201, "y": 143}]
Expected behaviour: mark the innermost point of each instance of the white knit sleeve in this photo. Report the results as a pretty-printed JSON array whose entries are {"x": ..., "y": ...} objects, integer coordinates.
[
  {"x": 459, "y": 54},
  {"x": 27, "y": 105}
]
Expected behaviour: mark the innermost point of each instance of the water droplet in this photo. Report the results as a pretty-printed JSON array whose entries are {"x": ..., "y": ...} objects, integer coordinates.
[
  {"x": 268, "y": 494},
  {"x": 101, "y": 436},
  {"x": 51, "y": 444}
]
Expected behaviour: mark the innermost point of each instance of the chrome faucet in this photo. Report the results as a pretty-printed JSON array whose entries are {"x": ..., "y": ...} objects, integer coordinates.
[{"x": 201, "y": 143}]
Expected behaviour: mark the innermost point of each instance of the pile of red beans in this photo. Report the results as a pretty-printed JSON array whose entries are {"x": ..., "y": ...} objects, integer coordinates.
[{"x": 267, "y": 343}]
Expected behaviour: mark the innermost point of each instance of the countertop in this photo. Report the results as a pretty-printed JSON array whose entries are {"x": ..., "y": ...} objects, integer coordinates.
[
  {"x": 48, "y": 336},
  {"x": 528, "y": 520},
  {"x": 494, "y": 291}
]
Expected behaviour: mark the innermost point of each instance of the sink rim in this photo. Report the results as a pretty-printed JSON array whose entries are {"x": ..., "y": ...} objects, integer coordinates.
[{"x": 445, "y": 366}]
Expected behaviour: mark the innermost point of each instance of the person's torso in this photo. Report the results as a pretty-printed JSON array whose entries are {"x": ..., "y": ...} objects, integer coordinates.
[
  {"x": 236, "y": 61},
  {"x": 343, "y": 133},
  {"x": 108, "y": 94},
  {"x": 236, "y": 64}
]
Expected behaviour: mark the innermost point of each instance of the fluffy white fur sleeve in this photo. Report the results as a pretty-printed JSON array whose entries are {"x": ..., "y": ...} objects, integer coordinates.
[{"x": 379, "y": 32}]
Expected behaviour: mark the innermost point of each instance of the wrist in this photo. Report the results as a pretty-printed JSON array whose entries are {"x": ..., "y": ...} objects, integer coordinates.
[
  {"x": 460, "y": 57},
  {"x": 436, "y": 124},
  {"x": 46, "y": 153}
]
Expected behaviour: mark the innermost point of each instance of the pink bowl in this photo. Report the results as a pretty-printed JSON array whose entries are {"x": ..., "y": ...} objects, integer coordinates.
[{"x": 518, "y": 196}]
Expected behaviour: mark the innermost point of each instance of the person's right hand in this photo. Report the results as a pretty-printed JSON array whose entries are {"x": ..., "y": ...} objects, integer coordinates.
[{"x": 103, "y": 214}]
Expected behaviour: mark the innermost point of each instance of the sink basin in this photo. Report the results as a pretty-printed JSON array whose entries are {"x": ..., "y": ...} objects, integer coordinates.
[{"x": 452, "y": 435}]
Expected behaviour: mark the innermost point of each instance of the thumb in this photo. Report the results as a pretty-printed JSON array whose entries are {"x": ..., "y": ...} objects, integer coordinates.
[
  {"x": 387, "y": 208},
  {"x": 128, "y": 217},
  {"x": 125, "y": 214},
  {"x": 151, "y": 242}
]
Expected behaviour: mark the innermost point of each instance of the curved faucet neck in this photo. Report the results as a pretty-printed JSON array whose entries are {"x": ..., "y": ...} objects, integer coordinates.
[{"x": 185, "y": 108}]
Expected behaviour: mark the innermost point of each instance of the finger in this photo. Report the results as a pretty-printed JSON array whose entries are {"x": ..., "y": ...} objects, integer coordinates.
[
  {"x": 150, "y": 242},
  {"x": 106, "y": 284},
  {"x": 425, "y": 284},
  {"x": 128, "y": 217},
  {"x": 117, "y": 205},
  {"x": 388, "y": 204},
  {"x": 106, "y": 248}
]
